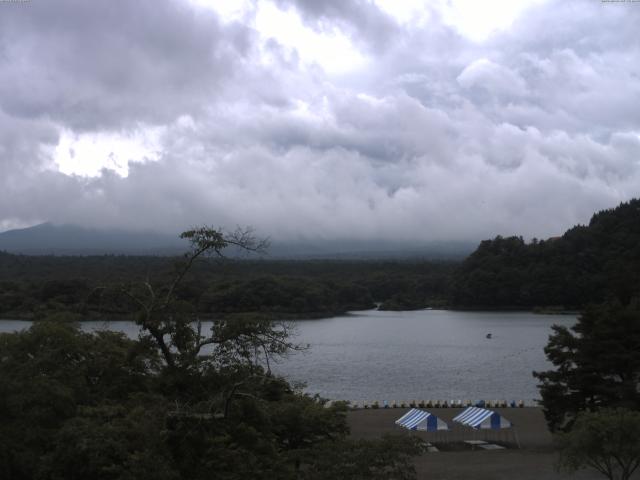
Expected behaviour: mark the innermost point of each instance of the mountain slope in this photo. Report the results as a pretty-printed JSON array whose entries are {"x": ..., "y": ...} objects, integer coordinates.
[{"x": 47, "y": 239}]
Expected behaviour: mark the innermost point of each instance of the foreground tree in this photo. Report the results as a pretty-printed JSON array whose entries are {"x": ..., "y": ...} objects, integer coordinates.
[
  {"x": 176, "y": 328},
  {"x": 607, "y": 441},
  {"x": 597, "y": 364},
  {"x": 389, "y": 458},
  {"x": 51, "y": 375},
  {"x": 178, "y": 403}
]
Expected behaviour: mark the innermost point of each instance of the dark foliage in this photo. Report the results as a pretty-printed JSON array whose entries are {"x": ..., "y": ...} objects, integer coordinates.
[
  {"x": 597, "y": 364},
  {"x": 51, "y": 374},
  {"x": 588, "y": 264},
  {"x": 607, "y": 441},
  {"x": 36, "y": 287}
]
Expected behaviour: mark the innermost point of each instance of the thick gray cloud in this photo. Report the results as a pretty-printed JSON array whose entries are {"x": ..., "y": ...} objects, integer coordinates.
[
  {"x": 112, "y": 64},
  {"x": 435, "y": 138}
]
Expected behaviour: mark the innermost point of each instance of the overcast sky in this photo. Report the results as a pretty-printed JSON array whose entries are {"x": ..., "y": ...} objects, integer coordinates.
[{"x": 332, "y": 119}]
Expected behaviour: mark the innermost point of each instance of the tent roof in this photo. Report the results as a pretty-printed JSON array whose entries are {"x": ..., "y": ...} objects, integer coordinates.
[
  {"x": 482, "y": 418},
  {"x": 416, "y": 419}
]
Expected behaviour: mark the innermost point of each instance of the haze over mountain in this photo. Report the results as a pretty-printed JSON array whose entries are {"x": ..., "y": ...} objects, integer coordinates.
[{"x": 47, "y": 238}]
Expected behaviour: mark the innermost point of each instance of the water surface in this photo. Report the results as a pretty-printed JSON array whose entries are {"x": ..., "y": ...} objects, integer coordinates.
[{"x": 426, "y": 354}]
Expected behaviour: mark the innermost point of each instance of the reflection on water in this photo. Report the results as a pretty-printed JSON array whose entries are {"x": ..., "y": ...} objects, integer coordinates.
[{"x": 426, "y": 354}]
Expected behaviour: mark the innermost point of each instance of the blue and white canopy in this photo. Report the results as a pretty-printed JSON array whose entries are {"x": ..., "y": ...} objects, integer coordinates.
[
  {"x": 481, "y": 418},
  {"x": 416, "y": 419}
]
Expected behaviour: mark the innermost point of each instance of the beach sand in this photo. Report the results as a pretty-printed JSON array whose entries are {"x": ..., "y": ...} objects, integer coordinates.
[{"x": 534, "y": 460}]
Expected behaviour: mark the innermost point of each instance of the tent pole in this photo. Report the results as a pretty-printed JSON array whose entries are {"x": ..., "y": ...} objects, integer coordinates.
[{"x": 515, "y": 434}]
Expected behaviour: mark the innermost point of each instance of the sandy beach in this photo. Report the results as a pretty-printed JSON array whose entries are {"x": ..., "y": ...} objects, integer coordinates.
[{"x": 534, "y": 460}]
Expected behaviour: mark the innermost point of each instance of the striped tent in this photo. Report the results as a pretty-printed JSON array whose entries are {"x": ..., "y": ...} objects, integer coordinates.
[
  {"x": 416, "y": 419},
  {"x": 482, "y": 419}
]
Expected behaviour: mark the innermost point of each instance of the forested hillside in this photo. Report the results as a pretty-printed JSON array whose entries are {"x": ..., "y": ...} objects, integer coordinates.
[{"x": 588, "y": 264}]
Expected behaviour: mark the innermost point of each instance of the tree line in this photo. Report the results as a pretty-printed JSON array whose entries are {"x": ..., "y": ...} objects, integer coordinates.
[
  {"x": 588, "y": 264},
  {"x": 36, "y": 287}
]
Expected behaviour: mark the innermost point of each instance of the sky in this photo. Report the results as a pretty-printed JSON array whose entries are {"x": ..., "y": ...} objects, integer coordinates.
[{"x": 394, "y": 120}]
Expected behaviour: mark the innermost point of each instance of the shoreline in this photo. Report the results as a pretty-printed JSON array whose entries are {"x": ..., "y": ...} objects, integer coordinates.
[
  {"x": 529, "y": 423},
  {"x": 288, "y": 316},
  {"x": 535, "y": 460}
]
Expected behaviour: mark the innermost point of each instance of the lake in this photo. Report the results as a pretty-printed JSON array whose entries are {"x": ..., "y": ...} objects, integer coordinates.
[{"x": 421, "y": 355}]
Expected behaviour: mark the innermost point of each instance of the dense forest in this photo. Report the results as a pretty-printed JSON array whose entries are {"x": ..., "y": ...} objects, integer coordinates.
[
  {"x": 35, "y": 287},
  {"x": 588, "y": 264}
]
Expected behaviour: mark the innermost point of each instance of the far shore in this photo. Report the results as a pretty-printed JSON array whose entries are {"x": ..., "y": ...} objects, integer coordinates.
[{"x": 287, "y": 316}]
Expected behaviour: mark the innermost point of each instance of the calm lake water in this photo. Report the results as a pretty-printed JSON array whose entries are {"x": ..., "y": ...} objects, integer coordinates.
[{"x": 421, "y": 355}]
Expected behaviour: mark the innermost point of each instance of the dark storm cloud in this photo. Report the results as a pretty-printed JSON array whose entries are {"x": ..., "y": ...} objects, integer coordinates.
[
  {"x": 111, "y": 64},
  {"x": 22, "y": 144},
  {"x": 436, "y": 138}
]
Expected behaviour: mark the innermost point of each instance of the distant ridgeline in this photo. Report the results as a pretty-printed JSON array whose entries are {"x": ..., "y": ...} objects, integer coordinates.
[{"x": 587, "y": 264}]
